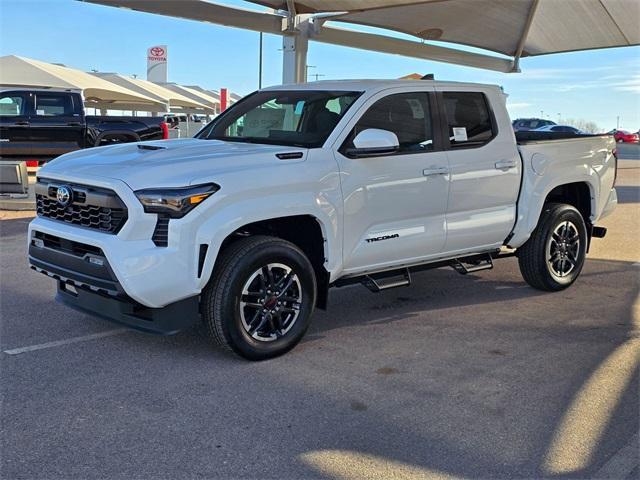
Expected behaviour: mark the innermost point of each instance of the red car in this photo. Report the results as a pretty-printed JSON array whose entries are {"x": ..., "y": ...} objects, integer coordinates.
[{"x": 622, "y": 136}]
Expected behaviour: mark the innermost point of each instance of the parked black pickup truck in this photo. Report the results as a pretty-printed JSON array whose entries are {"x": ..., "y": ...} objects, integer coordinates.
[{"x": 40, "y": 124}]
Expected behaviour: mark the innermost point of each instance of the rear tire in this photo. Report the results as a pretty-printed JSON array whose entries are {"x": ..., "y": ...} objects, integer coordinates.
[
  {"x": 260, "y": 298},
  {"x": 553, "y": 257}
]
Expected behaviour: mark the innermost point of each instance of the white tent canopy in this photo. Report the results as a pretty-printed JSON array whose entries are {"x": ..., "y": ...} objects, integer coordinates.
[
  {"x": 213, "y": 104},
  {"x": 211, "y": 93},
  {"x": 25, "y": 72},
  {"x": 170, "y": 98},
  {"x": 510, "y": 28}
]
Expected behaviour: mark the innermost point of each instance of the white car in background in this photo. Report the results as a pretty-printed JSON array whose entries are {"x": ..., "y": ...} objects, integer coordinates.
[{"x": 559, "y": 129}]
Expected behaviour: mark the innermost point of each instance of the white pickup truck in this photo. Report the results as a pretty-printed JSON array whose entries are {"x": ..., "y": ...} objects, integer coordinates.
[{"x": 299, "y": 188}]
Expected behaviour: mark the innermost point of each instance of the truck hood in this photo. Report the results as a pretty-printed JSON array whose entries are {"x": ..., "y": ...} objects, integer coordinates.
[{"x": 166, "y": 163}]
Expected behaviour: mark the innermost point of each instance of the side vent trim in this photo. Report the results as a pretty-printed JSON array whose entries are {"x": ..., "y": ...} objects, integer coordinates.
[
  {"x": 289, "y": 155},
  {"x": 202, "y": 256},
  {"x": 161, "y": 232}
]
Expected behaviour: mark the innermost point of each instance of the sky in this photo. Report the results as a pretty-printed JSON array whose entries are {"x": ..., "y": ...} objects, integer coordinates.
[{"x": 599, "y": 86}]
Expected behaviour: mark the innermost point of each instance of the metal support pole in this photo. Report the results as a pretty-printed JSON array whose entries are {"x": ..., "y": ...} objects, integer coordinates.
[
  {"x": 294, "y": 57},
  {"x": 260, "y": 65}
]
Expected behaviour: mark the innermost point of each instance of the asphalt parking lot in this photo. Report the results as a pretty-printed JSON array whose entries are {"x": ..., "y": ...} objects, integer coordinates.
[{"x": 453, "y": 377}]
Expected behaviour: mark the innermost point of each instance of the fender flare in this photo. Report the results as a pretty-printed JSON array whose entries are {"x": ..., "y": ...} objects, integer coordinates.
[
  {"x": 528, "y": 221},
  {"x": 226, "y": 227}
]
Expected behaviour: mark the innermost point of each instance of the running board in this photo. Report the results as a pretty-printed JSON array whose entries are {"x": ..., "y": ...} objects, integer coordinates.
[
  {"x": 399, "y": 277},
  {"x": 385, "y": 281},
  {"x": 482, "y": 263}
]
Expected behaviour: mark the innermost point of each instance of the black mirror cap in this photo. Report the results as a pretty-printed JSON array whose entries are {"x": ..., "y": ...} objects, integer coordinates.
[{"x": 370, "y": 152}]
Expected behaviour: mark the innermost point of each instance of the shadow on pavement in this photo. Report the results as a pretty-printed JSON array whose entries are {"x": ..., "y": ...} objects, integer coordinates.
[{"x": 476, "y": 376}]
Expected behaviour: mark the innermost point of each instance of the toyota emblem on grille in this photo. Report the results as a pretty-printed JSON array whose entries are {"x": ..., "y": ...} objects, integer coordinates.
[{"x": 64, "y": 195}]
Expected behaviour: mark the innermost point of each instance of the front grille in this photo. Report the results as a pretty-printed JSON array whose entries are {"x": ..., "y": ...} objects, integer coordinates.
[{"x": 91, "y": 207}]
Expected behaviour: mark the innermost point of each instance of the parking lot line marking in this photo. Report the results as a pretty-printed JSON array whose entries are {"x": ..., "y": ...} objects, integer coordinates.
[{"x": 58, "y": 343}]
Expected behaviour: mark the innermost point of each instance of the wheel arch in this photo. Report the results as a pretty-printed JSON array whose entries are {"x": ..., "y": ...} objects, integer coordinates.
[
  {"x": 581, "y": 192},
  {"x": 306, "y": 231},
  {"x": 127, "y": 133}
]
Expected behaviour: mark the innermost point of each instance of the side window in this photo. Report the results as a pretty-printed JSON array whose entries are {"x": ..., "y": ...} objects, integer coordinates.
[
  {"x": 468, "y": 118},
  {"x": 12, "y": 105},
  {"x": 405, "y": 114},
  {"x": 53, "y": 105}
]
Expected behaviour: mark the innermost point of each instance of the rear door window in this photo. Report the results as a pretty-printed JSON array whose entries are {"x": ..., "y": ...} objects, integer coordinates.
[
  {"x": 53, "y": 105},
  {"x": 468, "y": 119},
  {"x": 12, "y": 105}
]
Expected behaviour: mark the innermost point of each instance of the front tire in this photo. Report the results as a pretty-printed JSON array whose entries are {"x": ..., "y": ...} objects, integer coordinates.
[
  {"x": 261, "y": 297},
  {"x": 553, "y": 257}
]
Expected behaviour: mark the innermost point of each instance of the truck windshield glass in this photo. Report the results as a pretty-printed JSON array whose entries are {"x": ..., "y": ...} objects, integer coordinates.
[{"x": 301, "y": 118}]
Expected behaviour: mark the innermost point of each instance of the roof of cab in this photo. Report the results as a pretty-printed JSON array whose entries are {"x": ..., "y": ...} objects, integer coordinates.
[{"x": 374, "y": 85}]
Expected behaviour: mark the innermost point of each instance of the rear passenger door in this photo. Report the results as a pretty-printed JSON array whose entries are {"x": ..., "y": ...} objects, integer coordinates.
[
  {"x": 14, "y": 124},
  {"x": 485, "y": 168},
  {"x": 57, "y": 124}
]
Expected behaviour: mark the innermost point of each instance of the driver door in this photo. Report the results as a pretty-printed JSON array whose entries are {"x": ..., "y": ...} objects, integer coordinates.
[{"x": 395, "y": 204}]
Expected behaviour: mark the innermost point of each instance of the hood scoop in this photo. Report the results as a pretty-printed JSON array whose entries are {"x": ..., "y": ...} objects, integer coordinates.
[{"x": 151, "y": 147}]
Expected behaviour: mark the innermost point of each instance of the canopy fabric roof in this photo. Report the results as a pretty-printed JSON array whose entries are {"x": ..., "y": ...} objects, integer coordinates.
[
  {"x": 25, "y": 72},
  {"x": 150, "y": 89},
  {"x": 196, "y": 95},
  {"x": 532, "y": 27},
  {"x": 510, "y": 28},
  {"x": 211, "y": 93}
]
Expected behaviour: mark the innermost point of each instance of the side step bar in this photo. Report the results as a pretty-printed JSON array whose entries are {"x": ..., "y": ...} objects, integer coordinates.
[
  {"x": 387, "y": 280},
  {"x": 463, "y": 267},
  {"x": 401, "y": 277}
]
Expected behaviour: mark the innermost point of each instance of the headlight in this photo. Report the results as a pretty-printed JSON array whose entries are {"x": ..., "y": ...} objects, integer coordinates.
[{"x": 175, "y": 202}]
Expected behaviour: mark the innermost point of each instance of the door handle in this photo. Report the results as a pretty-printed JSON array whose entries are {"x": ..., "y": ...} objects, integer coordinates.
[
  {"x": 505, "y": 164},
  {"x": 74, "y": 124},
  {"x": 432, "y": 171},
  {"x": 22, "y": 123}
]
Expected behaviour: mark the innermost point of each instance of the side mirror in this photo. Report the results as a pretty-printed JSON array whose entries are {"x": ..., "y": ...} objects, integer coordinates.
[{"x": 372, "y": 142}]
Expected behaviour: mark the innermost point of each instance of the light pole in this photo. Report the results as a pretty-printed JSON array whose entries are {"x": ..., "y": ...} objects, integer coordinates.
[
  {"x": 260, "y": 64},
  {"x": 306, "y": 72}
]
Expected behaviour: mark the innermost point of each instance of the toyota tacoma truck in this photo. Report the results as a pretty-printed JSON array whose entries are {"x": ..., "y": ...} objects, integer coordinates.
[
  {"x": 39, "y": 124},
  {"x": 300, "y": 188}
]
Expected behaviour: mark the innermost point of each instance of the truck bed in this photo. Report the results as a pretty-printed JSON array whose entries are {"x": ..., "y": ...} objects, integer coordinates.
[{"x": 522, "y": 138}]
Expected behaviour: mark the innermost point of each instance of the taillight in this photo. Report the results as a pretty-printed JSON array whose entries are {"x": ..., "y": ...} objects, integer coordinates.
[
  {"x": 165, "y": 130},
  {"x": 32, "y": 163}
]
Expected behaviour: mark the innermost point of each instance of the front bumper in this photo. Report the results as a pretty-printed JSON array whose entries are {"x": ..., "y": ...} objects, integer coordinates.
[
  {"x": 164, "y": 321},
  {"x": 149, "y": 275},
  {"x": 86, "y": 282}
]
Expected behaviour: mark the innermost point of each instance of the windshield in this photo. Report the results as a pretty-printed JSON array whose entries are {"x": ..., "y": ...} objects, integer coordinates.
[{"x": 300, "y": 118}]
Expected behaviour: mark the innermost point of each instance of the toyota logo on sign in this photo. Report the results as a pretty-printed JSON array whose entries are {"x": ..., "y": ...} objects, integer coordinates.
[{"x": 157, "y": 51}]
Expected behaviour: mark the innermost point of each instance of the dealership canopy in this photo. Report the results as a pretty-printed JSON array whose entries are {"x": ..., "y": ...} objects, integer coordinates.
[
  {"x": 172, "y": 100},
  {"x": 506, "y": 29},
  {"x": 196, "y": 95},
  {"x": 25, "y": 72}
]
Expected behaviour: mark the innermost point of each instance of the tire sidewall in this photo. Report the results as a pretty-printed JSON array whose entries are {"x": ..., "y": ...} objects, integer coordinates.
[
  {"x": 239, "y": 339},
  {"x": 572, "y": 215}
]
